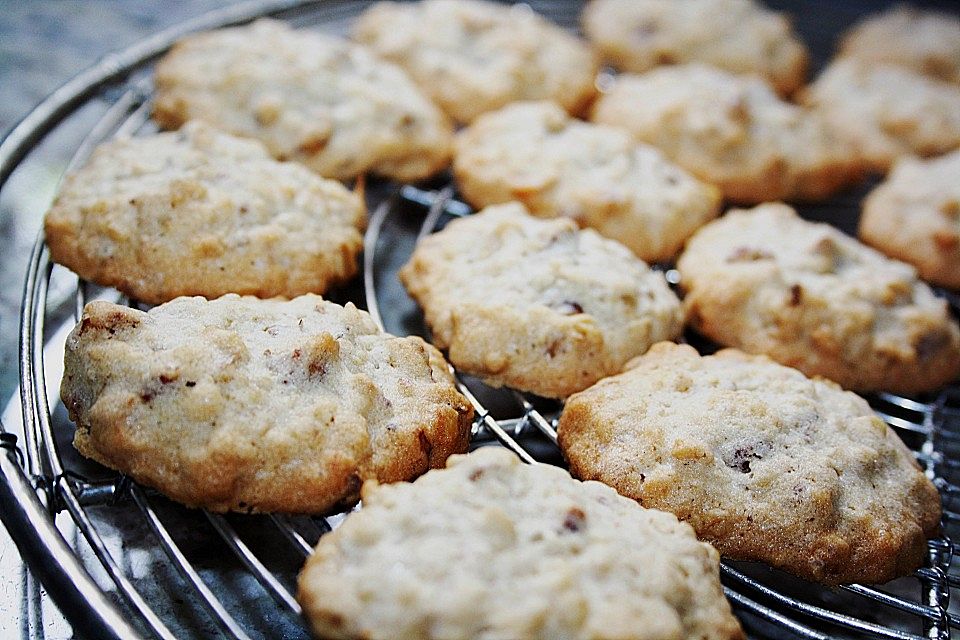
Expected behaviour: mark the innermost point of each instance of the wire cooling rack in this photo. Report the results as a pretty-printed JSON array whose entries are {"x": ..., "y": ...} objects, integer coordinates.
[{"x": 123, "y": 562}]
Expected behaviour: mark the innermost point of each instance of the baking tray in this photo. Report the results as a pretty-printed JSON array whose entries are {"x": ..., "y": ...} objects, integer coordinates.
[{"x": 122, "y": 561}]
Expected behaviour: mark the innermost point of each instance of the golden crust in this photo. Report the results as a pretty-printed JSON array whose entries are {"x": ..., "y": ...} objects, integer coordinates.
[
  {"x": 258, "y": 405},
  {"x": 763, "y": 462},
  {"x": 766, "y": 281}
]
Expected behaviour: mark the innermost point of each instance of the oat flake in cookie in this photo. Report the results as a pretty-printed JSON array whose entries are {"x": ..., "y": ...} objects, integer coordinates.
[
  {"x": 199, "y": 212},
  {"x": 597, "y": 175},
  {"x": 737, "y": 35},
  {"x": 764, "y": 462},
  {"x": 733, "y": 131},
  {"x": 766, "y": 281},
  {"x": 258, "y": 405},
  {"x": 473, "y": 56},
  {"x": 310, "y": 97},
  {"x": 507, "y": 550},
  {"x": 537, "y": 305}
]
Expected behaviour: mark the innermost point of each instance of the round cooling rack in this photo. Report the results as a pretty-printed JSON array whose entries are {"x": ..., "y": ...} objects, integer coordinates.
[{"x": 123, "y": 562}]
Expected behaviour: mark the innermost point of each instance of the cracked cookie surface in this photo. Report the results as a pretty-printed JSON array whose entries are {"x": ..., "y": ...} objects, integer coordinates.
[{"x": 258, "y": 405}]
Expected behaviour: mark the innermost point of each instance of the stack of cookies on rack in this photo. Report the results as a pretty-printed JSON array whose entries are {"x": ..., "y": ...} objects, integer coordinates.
[{"x": 601, "y": 169}]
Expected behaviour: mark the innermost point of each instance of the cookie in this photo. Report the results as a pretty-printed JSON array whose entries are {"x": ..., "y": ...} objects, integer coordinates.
[
  {"x": 810, "y": 297},
  {"x": 886, "y": 111},
  {"x": 741, "y": 36},
  {"x": 731, "y": 130},
  {"x": 556, "y": 165},
  {"x": 473, "y": 56},
  {"x": 537, "y": 305},
  {"x": 763, "y": 462},
  {"x": 258, "y": 405},
  {"x": 507, "y": 550},
  {"x": 199, "y": 212},
  {"x": 915, "y": 216},
  {"x": 307, "y": 96},
  {"x": 926, "y": 41}
]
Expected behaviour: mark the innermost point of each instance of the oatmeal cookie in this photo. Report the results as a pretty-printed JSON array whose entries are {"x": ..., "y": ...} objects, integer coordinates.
[
  {"x": 915, "y": 216},
  {"x": 762, "y": 461},
  {"x": 199, "y": 212},
  {"x": 537, "y": 305},
  {"x": 598, "y": 175},
  {"x": 810, "y": 297},
  {"x": 741, "y": 36},
  {"x": 733, "y": 131},
  {"x": 926, "y": 41},
  {"x": 473, "y": 56},
  {"x": 886, "y": 111},
  {"x": 310, "y": 97},
  {"x": 258, "y": 405},
  {"x": 490, "y": 548}
]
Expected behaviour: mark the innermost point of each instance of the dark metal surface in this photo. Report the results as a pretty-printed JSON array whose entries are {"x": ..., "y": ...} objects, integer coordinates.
[{"x": 127, "y": 561}]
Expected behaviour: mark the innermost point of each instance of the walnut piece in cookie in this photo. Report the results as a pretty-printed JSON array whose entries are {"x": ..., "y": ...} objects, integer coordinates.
[
  {"x": 472, "y": 56},
  {"x": 507, "y": 550},
  {"x": 733, "y": 131},
  {"x": 314, "y": 98},
  {"x": 886, "y": 111},
  {"x": 535, "y": 153},
  {"x": 741, "y": 36},
  {"x": 762, "y": 461},
  {"x": 247, "y": 405},
  {"x": 200, "y": 212},
  {"x": 766, "y": 281},
  {"x": 925, "y": 41},
  {"x": 915, "y": 216},
  {"x": 537, "y": 305}
]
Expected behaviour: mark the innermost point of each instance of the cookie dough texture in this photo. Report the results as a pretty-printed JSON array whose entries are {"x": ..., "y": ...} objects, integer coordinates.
[
  {"x": 927, "y": 42},
  {"x": 812, "y": 298},
  {"x": 309, "y": 97},
  {"x": 258, "y": 405},
  {"x": 741, "y": 36},
  {"x": 507, "y": 550},
  {"x": 537, "y": 305},
  {"x": 556, "y": 165},
  {"x": 199, "y": 212},
  {"x": 731, "y": 130},
  {"x": 886, "y": 111},
  {"x": 762, "y": 461},
  {"x": 915, "y": 216},
  {"x": 472, "y": 56}
]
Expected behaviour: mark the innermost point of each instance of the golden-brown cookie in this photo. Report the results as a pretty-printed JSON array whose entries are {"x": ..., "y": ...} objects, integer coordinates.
[
  {"x": 258, "y": 405},
  {"x": 733, "y": 131},
  {"x": 537, "y": 305},
  {"x": 764, "y": 462},
  {"x": 310, "y": 97},
  {"x": 490, "y": 548},
  {"x": 473, "y": 56},
  {"x": 199, "y": 212},
  {"x": 810, "y": 297},
  {"x": 556, "y": 165},
  {"x": 915, "y": 216}
]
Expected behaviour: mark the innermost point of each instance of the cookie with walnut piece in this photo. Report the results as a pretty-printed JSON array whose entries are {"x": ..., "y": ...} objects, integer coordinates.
[
  {"x": 490, "y": 548},
  {"x": 599, "y": 176},
  {"x": 310, "y": 97},
  {"x": 201, "y": 212},
  {"x": 258, "y": 405},
  {"x": 915, "y": 216},
  {"x": 766, "y": 281},
  {"x": 537, "y": 305},
  {"x": 762, "y": 461},
  {"x": 472, "y": 56},
  {"x": 741, "y": 36}
]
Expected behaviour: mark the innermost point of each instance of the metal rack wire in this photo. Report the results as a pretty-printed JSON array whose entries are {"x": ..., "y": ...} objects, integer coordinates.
[{"x": 101, "y": 590}]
